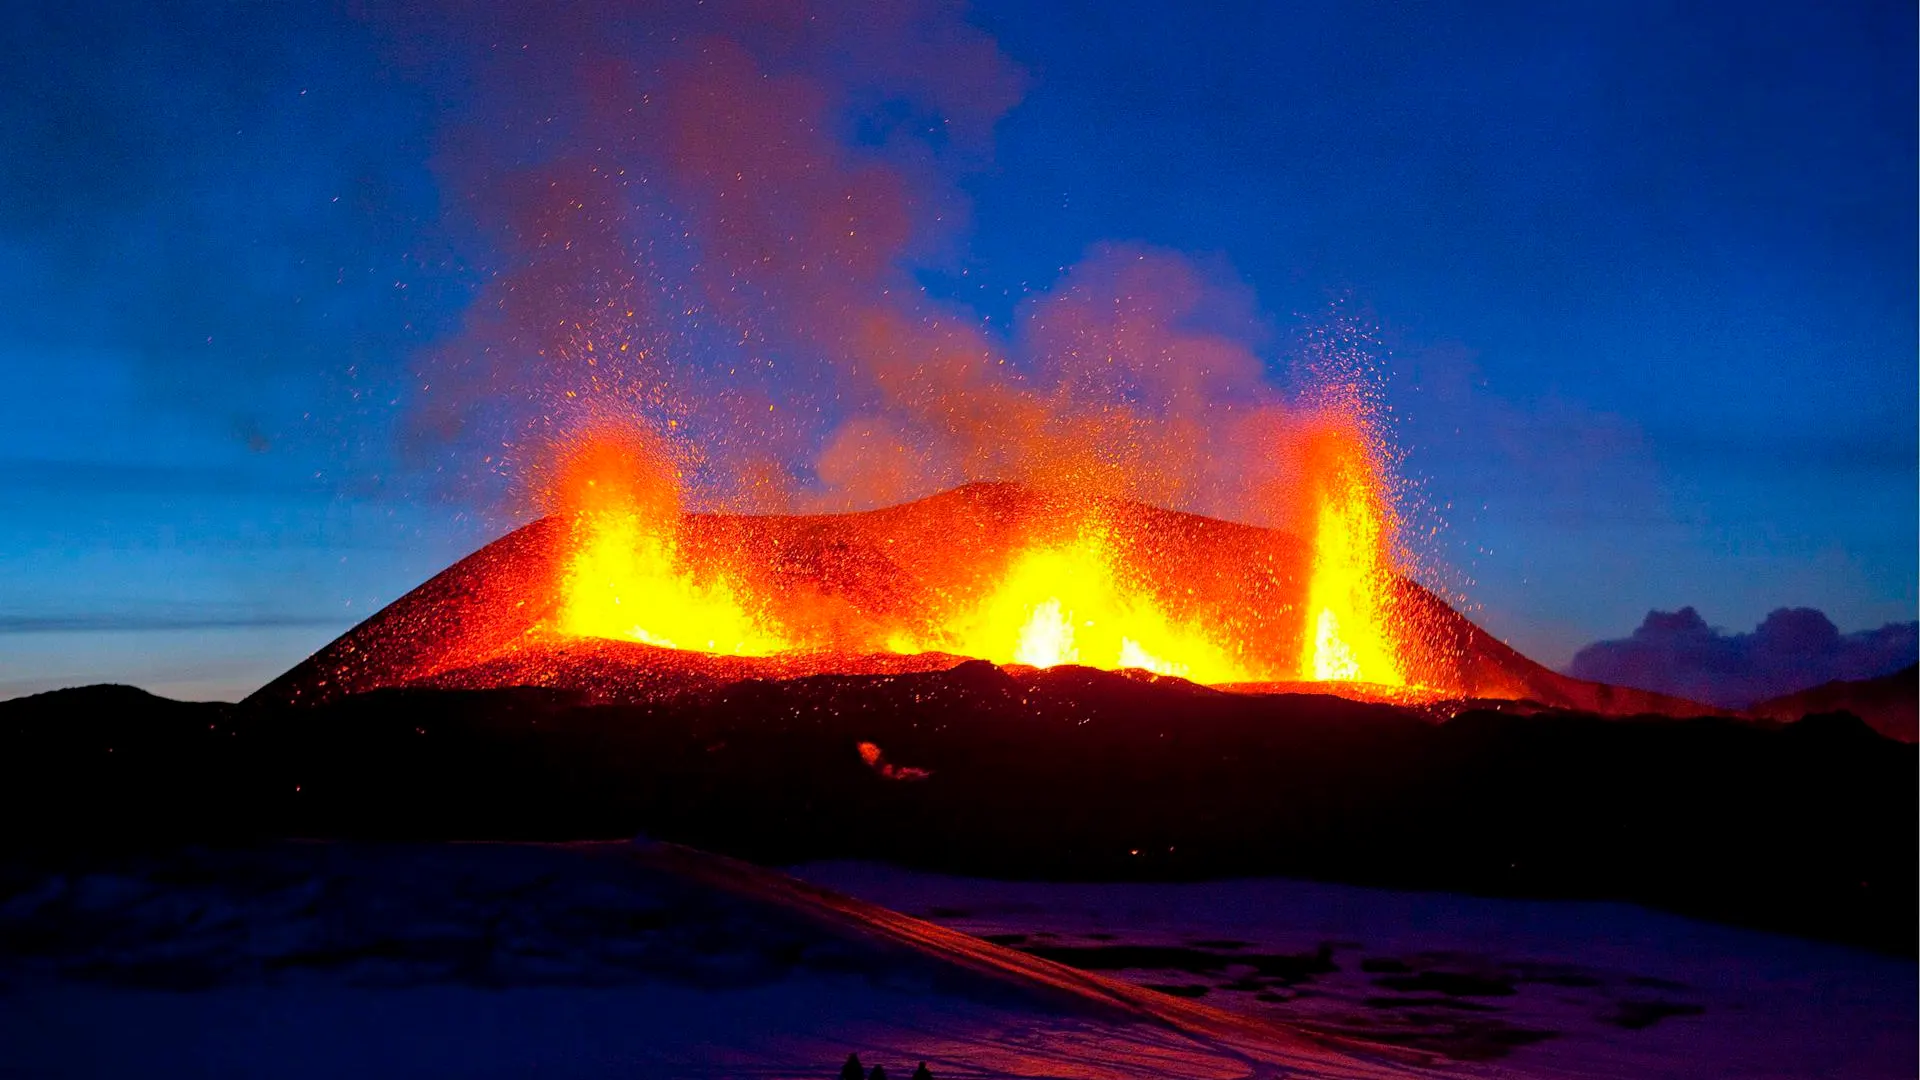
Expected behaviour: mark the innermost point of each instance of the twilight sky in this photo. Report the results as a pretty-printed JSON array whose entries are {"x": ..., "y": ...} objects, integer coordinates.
[{"x": 278, "y": 282}]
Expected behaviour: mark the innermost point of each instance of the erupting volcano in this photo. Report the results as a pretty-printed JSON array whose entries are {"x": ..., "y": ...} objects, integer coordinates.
[
  {"x": 1067, "y": 581},
  {"x": 623, "y": 594}
]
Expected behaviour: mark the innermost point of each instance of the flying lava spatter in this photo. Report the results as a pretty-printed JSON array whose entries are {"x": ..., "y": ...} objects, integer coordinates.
[{"x": 1350, "y": 636}]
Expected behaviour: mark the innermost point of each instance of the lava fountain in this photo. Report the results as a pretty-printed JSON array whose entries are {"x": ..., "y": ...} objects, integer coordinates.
[
  {"x": 1078, "y": 585},
  {"x": 1069, "y": 603},
  {"x": 625, "y": 575},
  {"x": 623, "y": 595},
  {"x": 1350, "y": 635}
]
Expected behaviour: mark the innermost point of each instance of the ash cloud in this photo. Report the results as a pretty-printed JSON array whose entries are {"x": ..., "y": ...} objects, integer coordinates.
[
  {"x": 1136, "y": 375},
  {"x": 713, "y": 217},
  {"x": 696, "y": 213},
  {"x": 1676, "y": 652}
]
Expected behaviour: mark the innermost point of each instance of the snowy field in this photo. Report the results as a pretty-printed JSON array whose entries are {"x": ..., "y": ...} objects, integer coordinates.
[
  {"x": 592, "y": 960},
  {"x": 602, "y": 960},
  {"x": 1534, "y": 988}
]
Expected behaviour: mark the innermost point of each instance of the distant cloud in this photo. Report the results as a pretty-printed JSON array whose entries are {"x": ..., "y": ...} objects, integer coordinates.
[{"x": 1678, "y": 653}]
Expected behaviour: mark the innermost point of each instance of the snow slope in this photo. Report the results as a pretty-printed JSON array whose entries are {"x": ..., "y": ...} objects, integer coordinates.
[
  {"x": 1535, "y": 988},
  {"x": 325, "y": 960}
]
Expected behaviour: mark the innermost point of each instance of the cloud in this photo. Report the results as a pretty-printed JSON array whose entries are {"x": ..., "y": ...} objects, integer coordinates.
[
  {"x": 1135, "y": 375},
  {"x": 1793, "y": 648}
]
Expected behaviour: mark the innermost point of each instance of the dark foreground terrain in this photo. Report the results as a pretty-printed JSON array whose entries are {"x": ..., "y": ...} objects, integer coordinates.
[
  {"x": 306, "y": 959},
  {"x": 1808, "y": 828},
  {"x": 583, "y": 961}
]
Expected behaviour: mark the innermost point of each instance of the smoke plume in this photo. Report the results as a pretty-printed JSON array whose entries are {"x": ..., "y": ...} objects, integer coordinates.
[{"x": 712, "y": 219}]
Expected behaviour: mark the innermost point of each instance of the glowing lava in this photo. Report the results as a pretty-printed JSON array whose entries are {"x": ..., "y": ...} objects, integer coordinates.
[
  {"x": 624, "y": 577},
  {"x": 1066, "y": 603},
  {"x": 1056, "y": 588},
  {"x": 1349, "y": 635}
]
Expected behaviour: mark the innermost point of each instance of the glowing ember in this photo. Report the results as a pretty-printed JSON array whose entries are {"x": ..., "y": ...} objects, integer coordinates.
[{"x": 1349, "y": 636}]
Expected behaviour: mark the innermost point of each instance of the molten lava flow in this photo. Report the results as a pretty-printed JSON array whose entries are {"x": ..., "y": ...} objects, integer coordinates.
[
  {"x": 1349, "y": 637},
  {"x": 625, "y": 577},
  {"x": 1065, "y": 604}
]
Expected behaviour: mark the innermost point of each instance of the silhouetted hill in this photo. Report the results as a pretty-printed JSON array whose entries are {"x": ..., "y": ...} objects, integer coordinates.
[
  {"x": 1889, "y": 704},
  {"x": 1067, "y": 772},
  {"x": 478, "y": 624}
]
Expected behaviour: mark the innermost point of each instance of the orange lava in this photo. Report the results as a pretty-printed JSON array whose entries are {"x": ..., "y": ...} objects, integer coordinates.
[
  {"x": 1079, "y": 587},
  {"x": 1349, "y": 637},
  {"x": 1068, "y": 603},
  {"x": 625, "y": 575}
]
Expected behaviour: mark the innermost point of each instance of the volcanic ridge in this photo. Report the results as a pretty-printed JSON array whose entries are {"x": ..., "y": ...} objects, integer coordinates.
[{"x": 495, "y": 618}]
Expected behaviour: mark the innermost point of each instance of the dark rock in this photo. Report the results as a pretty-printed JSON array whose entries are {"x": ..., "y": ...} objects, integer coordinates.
[{"x": 1808, "y": 829}]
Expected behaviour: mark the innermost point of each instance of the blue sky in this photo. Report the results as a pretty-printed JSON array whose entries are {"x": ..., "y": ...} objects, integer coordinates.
[{"x": 1646, "y": 273}]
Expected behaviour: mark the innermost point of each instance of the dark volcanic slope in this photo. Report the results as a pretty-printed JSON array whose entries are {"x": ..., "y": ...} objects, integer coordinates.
[
  {"x": 474, "y": 625},
  {"x": 1068, "y": 772},
  {"x": 1889, "y": 704}
]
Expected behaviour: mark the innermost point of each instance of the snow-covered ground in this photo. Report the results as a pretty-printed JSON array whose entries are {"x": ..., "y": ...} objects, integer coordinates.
[
  {"x": 465, "y": 960},
  {"x": 592, "y": 960},
  {"x": 1536, "y": 988}
]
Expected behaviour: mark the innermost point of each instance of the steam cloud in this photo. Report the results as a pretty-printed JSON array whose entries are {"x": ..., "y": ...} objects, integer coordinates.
[{"x": 1792, "y": 649}]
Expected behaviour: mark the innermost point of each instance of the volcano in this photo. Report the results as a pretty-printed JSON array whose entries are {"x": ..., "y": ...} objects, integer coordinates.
[
  {"x": 822, "y": 726},
  {"x": 872, "y": 586}
]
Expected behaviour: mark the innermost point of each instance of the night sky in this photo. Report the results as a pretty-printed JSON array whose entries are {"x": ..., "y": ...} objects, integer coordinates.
[{"x": 272, "y": 277}]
